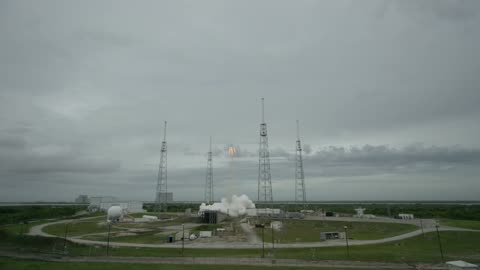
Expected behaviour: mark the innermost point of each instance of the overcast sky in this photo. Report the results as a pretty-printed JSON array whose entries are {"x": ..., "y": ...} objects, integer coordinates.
[{"x": 387, "y": 94}]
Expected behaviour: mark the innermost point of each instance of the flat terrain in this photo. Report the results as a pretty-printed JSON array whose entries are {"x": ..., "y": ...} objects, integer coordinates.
[
  {"x": 6, "y": 263},
  {"x": 309, "y": 230},
  {"x": 468, "y": 224}
]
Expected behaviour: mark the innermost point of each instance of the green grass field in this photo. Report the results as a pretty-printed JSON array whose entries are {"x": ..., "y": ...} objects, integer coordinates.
[
  {"x": 468, "y": 224},
  {"x": 79, "y": 228},
  {"x": 457, "y": 245},
  {"x": 14, "y": 264},
  {"x": 309, "y": 230}
]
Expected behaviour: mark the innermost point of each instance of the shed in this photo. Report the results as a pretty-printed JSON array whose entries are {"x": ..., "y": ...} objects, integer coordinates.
[
  {"x": 205, "y": 234},
  {"x": 331, "y": 235},
  {"x": 461, "y": 265}
]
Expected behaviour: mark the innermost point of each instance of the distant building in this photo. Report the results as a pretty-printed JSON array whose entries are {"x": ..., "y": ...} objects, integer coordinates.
[
  {"x": 264, "y": 212},
  {"x": 82, "y": 199},
  {"x": 461, "y": 265},
  {"x": 405, "y": 216},
  {"x": 96, "y": 201},
  {"x": 127, "y": 206},
  {"x": 359, "y": 212}
]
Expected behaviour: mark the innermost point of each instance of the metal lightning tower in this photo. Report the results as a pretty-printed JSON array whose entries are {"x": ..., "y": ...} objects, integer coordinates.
[
  {"x": 264, "y": 176},
  {"x": 161, "y": 192},
  {"x": 300, "y": 195},
  {"x": 209, "y": 180}
]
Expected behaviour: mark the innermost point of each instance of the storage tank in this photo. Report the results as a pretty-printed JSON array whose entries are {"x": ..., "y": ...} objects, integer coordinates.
[{"x": 114, "y": 213}]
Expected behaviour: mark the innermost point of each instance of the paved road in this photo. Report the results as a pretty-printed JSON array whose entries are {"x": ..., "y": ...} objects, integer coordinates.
[
  {"x": 222, "y": 261},
  {"x": 38, "y": 230}
]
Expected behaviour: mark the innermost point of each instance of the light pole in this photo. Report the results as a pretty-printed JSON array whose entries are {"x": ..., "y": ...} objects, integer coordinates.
[
  {"x": 65, "y": 239},
  {"x": 273, "y": 240},
  {"x": 421, "y": 225},
  {"x": 108, "y": 235},
  {"x": 439, "y": 243},
  {"x": 346, "y": 240},
  {"x": 183, "y": 238}
]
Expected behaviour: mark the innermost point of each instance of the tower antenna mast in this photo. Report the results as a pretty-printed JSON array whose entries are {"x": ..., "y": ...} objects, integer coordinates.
[
  {"x": 300, "y": 193},
  {"x": 264, "y": 176},
  {"x": 209, "y": 179},
  {"x": 161, "y": 190}
]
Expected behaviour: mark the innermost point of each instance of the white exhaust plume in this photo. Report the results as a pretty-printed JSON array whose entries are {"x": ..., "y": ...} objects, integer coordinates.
[{"x": 235, "y": 207}]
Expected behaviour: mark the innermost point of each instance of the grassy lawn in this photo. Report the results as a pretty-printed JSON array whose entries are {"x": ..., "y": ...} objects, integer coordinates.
[
  {"x": 457, "y": 246},
  {"x": 79, "y": 228},
  {"x": 147, "y": 238},
  {"x": 38, "y": 265},
  {"x": 468, "y": 224},
  {"x": 21, "y": 228},
  {"x": 309, "y": 230}
]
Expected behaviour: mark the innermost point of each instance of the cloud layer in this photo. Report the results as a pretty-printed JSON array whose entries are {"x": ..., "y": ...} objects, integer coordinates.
[{"x": 392, "y": 86}]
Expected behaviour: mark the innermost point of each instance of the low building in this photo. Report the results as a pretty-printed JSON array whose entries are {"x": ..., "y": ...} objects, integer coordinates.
[
  {"x": 205, "y": 234},
  {"x": 127, "y": 206},
  {"x": 331, "y": 235},
  {"x": 359, "y": 212},
  {"x": 405, "y": 216},
  {"x": 461, "y": 265},
  {"x": 263, "y": 212}
]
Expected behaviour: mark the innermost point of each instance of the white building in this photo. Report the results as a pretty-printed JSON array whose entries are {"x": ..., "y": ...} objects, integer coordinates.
[
  {"x": 253, "y": 212},
  {"x": 360, "y": 212},
  {"x": 405, "y": 216},
  {"x": 127, "y": 206}
]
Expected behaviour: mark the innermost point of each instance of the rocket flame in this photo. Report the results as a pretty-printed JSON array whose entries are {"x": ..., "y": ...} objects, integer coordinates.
[{"x": 231, "y": 151}]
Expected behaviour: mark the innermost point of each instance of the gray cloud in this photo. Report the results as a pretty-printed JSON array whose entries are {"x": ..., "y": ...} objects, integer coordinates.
[{"x": 85, "y": 88}]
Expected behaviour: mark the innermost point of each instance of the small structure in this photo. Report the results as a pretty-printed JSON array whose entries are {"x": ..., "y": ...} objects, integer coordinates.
[
  {"x": 264, "y": 212},
  {"x": 276, "y": 225},
  {"x": 461, "y": 265},
  {"x": 331, "y": 235},
  {"x": 405, "y": 216},
  {"x": 205, "y": 234},
  {"x": 360, "y": 212},
  {"x": 127, "y": 206}
]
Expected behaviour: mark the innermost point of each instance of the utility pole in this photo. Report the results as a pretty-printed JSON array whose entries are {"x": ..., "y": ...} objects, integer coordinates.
[
  {"x": 273, "y": 239},
  {"x": 439, "y": 243},
  {"x": 183, "y": 239},
  {"x": 209, "y": 179},
  {"x": 161, "y": 191},
  {"x": 65, "y": 239},
  {"x": 264, "y": 175},
  {"x": 108, "y": 236},
  {"x": 346, "y": 240},
  {"x": 300, "y": 194}
]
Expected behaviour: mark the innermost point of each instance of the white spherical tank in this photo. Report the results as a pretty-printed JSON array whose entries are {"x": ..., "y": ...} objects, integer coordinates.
[{"x": 114, "y": 213}]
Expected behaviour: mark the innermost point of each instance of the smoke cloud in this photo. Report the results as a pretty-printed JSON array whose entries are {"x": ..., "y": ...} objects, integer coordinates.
[{"x": 234, "y": 207}]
